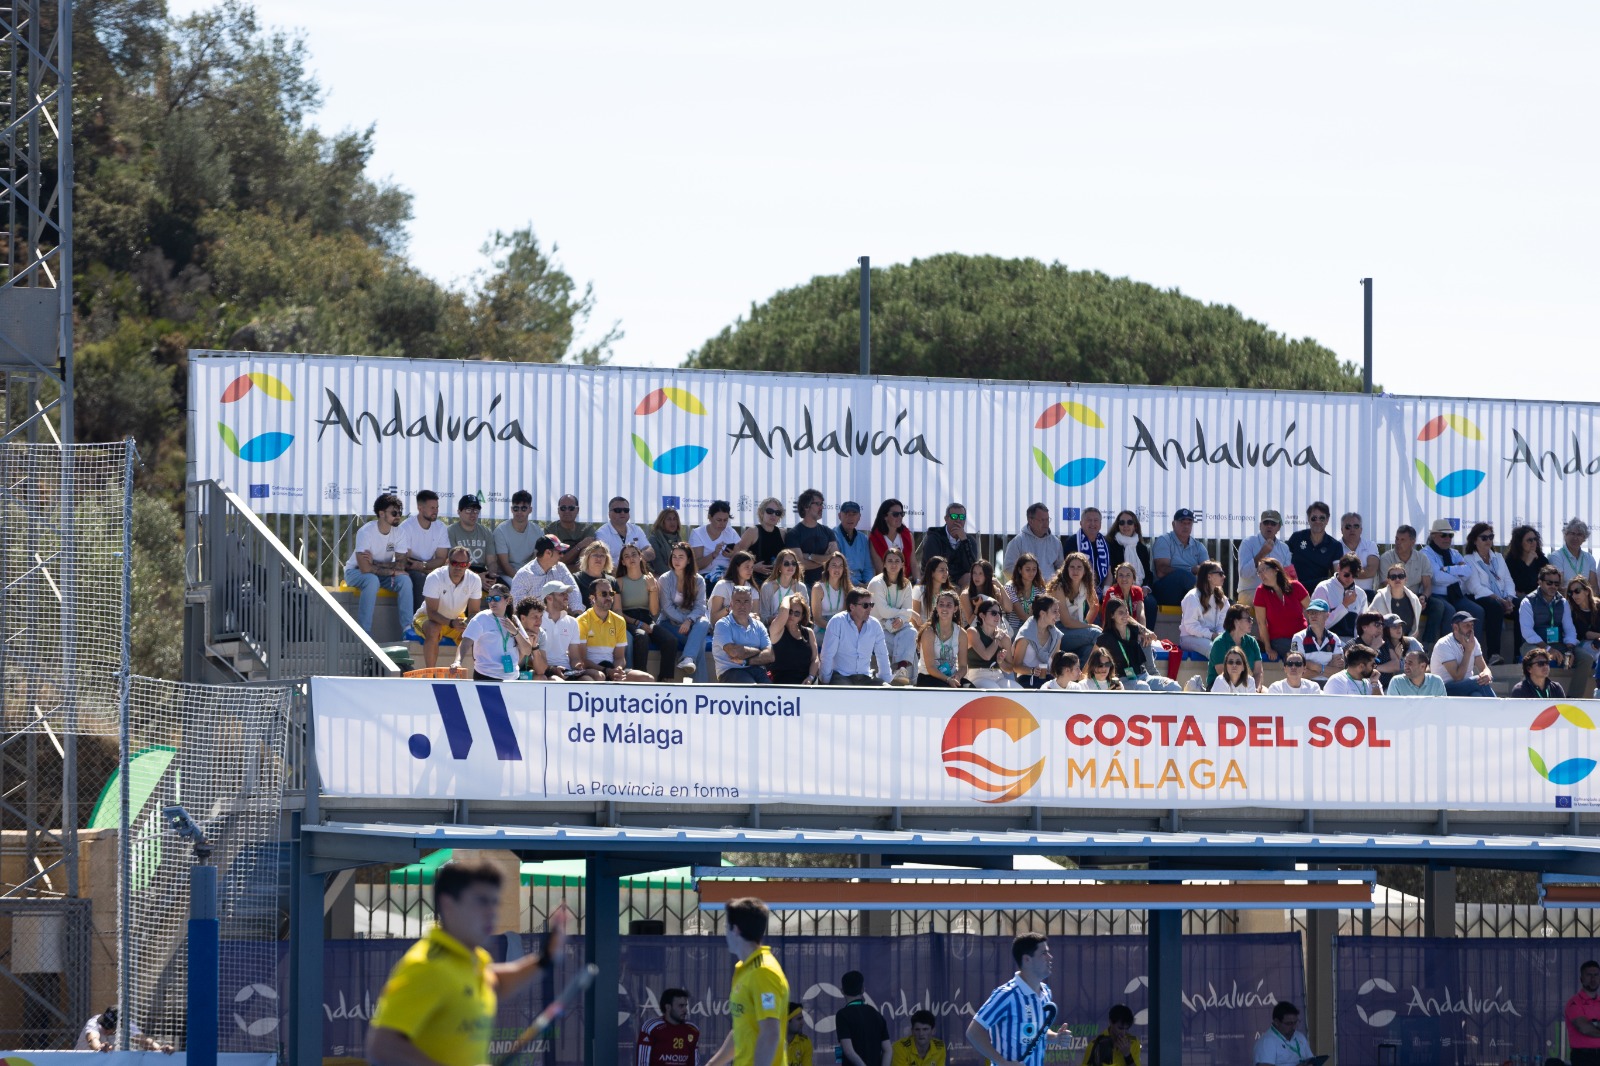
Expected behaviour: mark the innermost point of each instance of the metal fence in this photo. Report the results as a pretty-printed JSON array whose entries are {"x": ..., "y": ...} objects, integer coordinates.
[{"x": 45, "y": 957}]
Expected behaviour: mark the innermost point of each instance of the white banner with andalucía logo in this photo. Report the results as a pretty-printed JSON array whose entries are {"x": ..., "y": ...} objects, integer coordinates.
[
  {"x": 698, "y": 744},
  {"x": 323, "y": 435}
]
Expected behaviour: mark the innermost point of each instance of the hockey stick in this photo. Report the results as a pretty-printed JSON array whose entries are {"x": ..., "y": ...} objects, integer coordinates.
[{"x": 560, "y": 1005}]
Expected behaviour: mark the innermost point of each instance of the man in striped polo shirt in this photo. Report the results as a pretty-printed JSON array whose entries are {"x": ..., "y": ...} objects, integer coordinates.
[{"x": 1012, "y": 1027}]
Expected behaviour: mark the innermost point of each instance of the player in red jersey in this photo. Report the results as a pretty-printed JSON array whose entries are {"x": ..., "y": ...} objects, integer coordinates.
[{"x": 670, "y": 1040}]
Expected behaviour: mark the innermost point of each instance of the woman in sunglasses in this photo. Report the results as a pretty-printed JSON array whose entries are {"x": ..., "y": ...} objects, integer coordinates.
[
  {"x": 889, "y": 530},
  {"x": 1294, "y": 681},
  {"x": 494, "y": 641},
  {"x": 1127, "y": 546},
  {"x": 1586, "y": 624},
  {"x": 1234, "y": 677},
  {"x": 764, "y": 540}
]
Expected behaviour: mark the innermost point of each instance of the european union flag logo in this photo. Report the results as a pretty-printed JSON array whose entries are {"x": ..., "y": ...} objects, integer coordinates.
[
  {"x": 1563, "y": 803},
  {"x": 260, "y": 492},
  {"x": 670, "y": 501},
  {"x": 1071, "y": 514}
]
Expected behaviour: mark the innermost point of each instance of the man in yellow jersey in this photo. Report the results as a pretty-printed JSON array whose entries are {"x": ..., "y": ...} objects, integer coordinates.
[
  {"x": 759, "y": 1001},
  {"x": 1115, "y": 1046},
  {"x": 799, "y": 1042},
  {"x": 921, "y": 1048},
  {"x": 439, "y": 1004}
]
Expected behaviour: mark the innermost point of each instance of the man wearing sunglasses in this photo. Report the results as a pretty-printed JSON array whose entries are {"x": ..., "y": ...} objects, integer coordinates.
[
  {"x": 576, "y": 536},
  {"x": 376, "y": 563},
  {"x": 951, "y": 540},
  {"x": 450, "y": 596},
  {"x": 620, "y": 531},
  {"x": 1545, "y": 618}
]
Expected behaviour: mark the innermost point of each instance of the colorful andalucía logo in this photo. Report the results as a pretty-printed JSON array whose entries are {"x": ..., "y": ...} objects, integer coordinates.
[
  {"x": 982, "y": 746},
  {"x": 263, "y": 447},
  {"x": 1073, "y": 472},
  {"x": 1567, "y": 771},
  {"x": 684, "y": 457},
  {"x": 1459, "y": 482}
]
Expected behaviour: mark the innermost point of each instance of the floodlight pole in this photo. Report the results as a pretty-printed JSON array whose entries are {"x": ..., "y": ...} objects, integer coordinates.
[
  {"x": 1366, "y": 337},
  {"x": 866, "y": 314}
]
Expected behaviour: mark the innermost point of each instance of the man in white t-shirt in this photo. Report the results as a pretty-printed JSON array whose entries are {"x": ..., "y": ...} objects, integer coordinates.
[
  {"x": 424, "y": 539},
  {"x": 1458, "y": 660},
  {"x": 451, "y": 595},
  {"x": 1363, "y": 547},
  {"x": 100, "y": 1034},
  {"x": 619, "y": 530},
  {"x": 1280, "y": 1045},
  {"x": 713, "y": 542},
  {"x": 560, "y": 630},
  {"x": 1359, "y": 676},
  {"x": 376, "y": 563}
]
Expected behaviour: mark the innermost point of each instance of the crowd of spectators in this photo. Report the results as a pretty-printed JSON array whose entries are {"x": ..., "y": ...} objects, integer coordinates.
[{"x": 814, "y": 604}]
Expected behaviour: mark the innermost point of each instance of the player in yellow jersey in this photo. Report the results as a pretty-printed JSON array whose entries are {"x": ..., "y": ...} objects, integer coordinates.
[
  {"x": 759, "y": 1000},
  {"x": 799, "y": 1042},
  {"x": 438, "y": 1007},
  {"x": 921, "y": 1048}
]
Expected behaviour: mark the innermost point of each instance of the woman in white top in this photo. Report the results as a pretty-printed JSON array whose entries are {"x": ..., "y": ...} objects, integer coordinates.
[
  {"x": 1036, "y": 642},
  {"x": 741, "y": 571},
  {"x": 783, "y": 583},
  {"x": 827, "y": 595},
  {"x": 1100, "y": 673},
  {"x": 1204, "y": 608},
  {"x": 944, "y": 646},
  {"x": 1079, "y": 604},
  {"x": 494, "y": 642},
  {"x": 1490, "y": 584},
  {"x": 1294, "y": 682},
  {"x": 989, "y": 648},
  {"x": 1067, "y": 673},
  {"x": 1235, "y": 677},
  {"x": 894, "y": 606},
  {"x": 1570, "y": 558},
  {"x": 683, "y": 607}
]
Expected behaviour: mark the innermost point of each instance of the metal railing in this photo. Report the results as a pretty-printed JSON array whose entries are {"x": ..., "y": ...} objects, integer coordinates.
[{"x": 261, "y": 603}]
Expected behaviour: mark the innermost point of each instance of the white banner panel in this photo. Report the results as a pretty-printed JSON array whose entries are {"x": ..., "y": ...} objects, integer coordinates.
[
  {"x": 324, "y": 435},
  {"x": 717, "y": 744}
]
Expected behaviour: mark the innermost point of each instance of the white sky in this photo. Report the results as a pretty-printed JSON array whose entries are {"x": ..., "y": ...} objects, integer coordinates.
[{"x": 691, "y": 159}]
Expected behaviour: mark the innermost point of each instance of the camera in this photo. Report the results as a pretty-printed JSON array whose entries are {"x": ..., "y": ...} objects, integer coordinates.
[{"x": 179, "y": 821}]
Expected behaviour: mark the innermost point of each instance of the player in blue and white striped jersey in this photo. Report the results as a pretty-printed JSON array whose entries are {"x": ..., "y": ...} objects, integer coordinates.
[{"x": 1005, "y": 1027}]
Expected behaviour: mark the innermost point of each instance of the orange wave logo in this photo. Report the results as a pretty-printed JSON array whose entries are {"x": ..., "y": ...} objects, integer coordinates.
[{"x": 982, "y": 746}]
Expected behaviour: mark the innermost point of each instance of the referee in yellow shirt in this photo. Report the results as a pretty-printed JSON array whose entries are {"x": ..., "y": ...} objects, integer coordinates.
[
  {"x": 759, "y": 1000},
  {"x": 439, "y": 1004}
]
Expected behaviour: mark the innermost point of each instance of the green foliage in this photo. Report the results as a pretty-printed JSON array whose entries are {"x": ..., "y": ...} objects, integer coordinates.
[
  {"x": 157, "y": 587},
  {"x": 982, "y": 316}
]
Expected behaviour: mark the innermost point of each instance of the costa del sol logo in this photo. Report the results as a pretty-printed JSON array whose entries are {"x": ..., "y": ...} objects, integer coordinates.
[
  {"x": 263, "y": 447},
  {"x": 1073, "y": 472},
  {"x": 684, "y": 457},
  {"x": 1567, "y": 771},
  {"x": 1457, "y": 483},
  {"x": 984, "y": 746}
]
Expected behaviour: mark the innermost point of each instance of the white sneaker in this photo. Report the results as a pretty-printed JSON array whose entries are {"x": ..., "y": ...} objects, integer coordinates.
[
  {"x": 901, "y": 677},
  {"x": 686, "y": 670}
]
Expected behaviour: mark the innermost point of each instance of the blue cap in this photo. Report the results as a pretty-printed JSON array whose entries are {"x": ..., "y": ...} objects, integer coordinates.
[
  {"x": 1318, "y": 605},
  {"x": 850, "y": 505}
]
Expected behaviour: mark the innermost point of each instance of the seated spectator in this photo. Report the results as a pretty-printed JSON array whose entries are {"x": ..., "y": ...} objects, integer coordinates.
[
  {"x": 1450, "y": 571},
  {"x": 1586, "y": 626},
  {"x": 1345, "y": 597},
  {"x": 375, "y": 564},
  {"x": 494, "y": 641},
  {"x": 982, "y": 586},
  {"x": 477, "y": 538},
  {"x": 741, "y": 647},
  {"x": 952, "y": 543},
  {"x": 1126, "y": 640},
  {"x": 1073, "y": 589},
  {"x": 596, "y": 564},
  {"x": 889, "y": 528},
  {"x": 1262, "y": 544},
  {"x": 575, "y": 536},
  {"x": 784, "y": 581},
  {"x": 1312, "y": 552},
  {"x": 1092, "y": 543},
  {"x": 943, "y": 644},
  {"x": 544, "y": 567},
  {"x": 1293, "y": 682},
  {"x": 809, "y": 539},
  {"x": 1359, "y": 676},
  {"x": 1065, "y": 673},
  {"x": 796, "y": 658},
  {"x": 894, "y": 606},
  {"x": 1419, "y": 580},
  {"x": 1280, "y": 606},
  {"x": 1099, "y": 673},
  {"x": 1125, "y": 587},
  {"x": 534, "y": 666},
  {"x": 665, "y": 531},
  {"x": 1324, "y": 651},
  {"x": 1570, "y": 558},
  {"x": 989, "y": 648},
  {"x": 764, "y": 540},
  {"x": 1026, "y": 583},
  {"x": 1127, "y": 546},
  {"x": 1489, "y": 584},
  {"x": 1536, "y": 683},
  {"x": 683, "y": 608},
  {"x": 450, "y": 596},
  {"x": 1204, "y": 610},
  {"x": 854, "y": 642},
  {"x": 1459, "y": 662},
  {"x": 1036, "y": 643},
  {"x": 1396, "y": 599},
  {"x": 603, "y": 634},
  {"x": 1353, "y": 541},
  {"x": 854, "y": 543},
  {"x": 1175, "y": 556},
  {"x": 741, "y": 571},
  {"x": 563, "y": 645},
  {"x": 1235, "y": 678},
  {"x": 639, "y": 602},
  {"x": 935, "y": 579},
  {"x": 620, "y": 531},
  {"x": 714, "y": 543},
  {"x": 514, "y": 540},
  {"x": 828, "y": 594},
  {"x": 1036, "y": 540},
  {"x": 1235, "y": 635},
  {"x": 1392, "y": 647},
  {"x": 1416, "y": 680},
  {"x": 1545, "y": 618},
  {"x": 425, "y": 541},
  {"x": 1524, "y": 559}
]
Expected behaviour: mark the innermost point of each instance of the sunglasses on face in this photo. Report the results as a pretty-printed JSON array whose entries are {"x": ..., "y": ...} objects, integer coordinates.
[
  {"x": 1397, "y": 577},
  {"x": 774, "y": 514},
  {"x": 603, "y": 595},
  {"x": 461, "y": 565},
  {"x": 394, "y": 513},
  {"x": 1294, "y": 666},
  {"x": 897, "y": 514},
  {"x": 954, "y": 517},
  {"x": 564, "y": 507},
  {"x": 527, "y": 507},
  {"x": 621, "y": 510},
  {"x": 1127, "y": 522},
  {"x": 1540, "y": 662},
  {"x": 1550, "y": 584},
  {"x": 868, "y": 604},
  {"x": 1485, "y": 536},
  {"x": 496, "y": 599},
  {"x": 1352, "y": 525}
]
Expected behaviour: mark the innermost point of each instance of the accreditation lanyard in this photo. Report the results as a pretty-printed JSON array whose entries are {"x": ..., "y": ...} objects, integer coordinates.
[{"x": 1292, "y": 1045}]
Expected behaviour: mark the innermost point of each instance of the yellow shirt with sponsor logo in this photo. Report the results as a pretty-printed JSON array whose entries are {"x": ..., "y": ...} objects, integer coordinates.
[
  {"x": 440, "y": 997},
  {"x": 760, "y": 991},
  {"x": 904, "y": 1053},
  {"x": 800, "y": 1050},
  {"x": 602, "y": 637}
]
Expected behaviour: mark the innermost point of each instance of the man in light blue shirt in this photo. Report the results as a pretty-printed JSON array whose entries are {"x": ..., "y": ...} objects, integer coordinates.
[
  {"x": 1263, "y": 544},
  {"x": 852, "y": 543},
  {"x": 1175, "y": 556},
  {"x": 740, "y": 645},
  {"x": 853, "y": 638},
  {"x": 1417, "y": 681}
]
